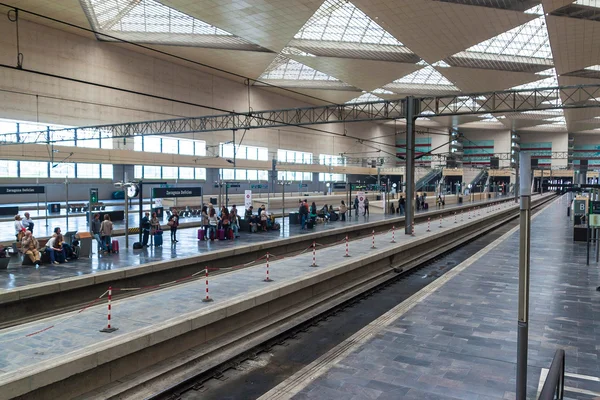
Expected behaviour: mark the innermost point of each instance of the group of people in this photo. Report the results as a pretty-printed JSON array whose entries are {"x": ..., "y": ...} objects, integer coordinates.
[
  {"x": 365, "y": 205},
  {"x": 102, "y": 232},
  {"x": 261, "y": 221},
  {"x": 22, "y": 225},
  {"x": 58, "y": 250},
  {"x": 309, "y": 214},
  {"x": 227, "y": 221}
]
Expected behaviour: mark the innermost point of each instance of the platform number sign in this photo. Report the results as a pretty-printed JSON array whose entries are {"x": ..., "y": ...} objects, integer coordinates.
[
  {"x": 579, "y": 207},
  {"x": 93, "y": 195}
]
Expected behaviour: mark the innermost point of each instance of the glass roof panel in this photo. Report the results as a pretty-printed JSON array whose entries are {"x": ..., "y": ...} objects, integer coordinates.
[
  {"x": 593, "y": 68},
  {"x": 342, "y": 21},
  {"x": 547, "y": 81},
  {"x": 286, "y": 68},
  {"x": 149, "y": 21},
  {"x": 527, "y": 40},
  {"x": 425, "y": 76}
]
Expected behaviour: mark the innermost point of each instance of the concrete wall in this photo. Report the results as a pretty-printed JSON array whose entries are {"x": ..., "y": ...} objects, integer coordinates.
[
  {"x": 501, "y": 140},
  {"x": 560, "y": 142}
]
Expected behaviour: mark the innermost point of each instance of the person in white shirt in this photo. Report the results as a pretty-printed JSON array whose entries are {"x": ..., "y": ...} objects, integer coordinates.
[
  {"x": 28, "y": 222},
  {"x": 18, "y": 227}
]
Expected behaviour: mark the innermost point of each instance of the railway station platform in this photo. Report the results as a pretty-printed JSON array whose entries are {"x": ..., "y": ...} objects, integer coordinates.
[
  {"x": 39, "y": 356},
  {"x": 456, "y": 338},
  {"x": 18, "y": 276}
]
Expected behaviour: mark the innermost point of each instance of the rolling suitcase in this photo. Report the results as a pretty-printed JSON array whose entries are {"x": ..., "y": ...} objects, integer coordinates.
[
  {"x": 115, "y": 246},
  {"x": 158, "y": 239},
  {"x": 230, "y": 234},
  {"x": 221, "y": 234},
  {"x": 200, "y": 234},
  {"x": 310, "y": 224}
]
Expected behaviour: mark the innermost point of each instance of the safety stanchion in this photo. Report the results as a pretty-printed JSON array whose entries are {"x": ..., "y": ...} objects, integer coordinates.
[
  {"x": 347, "y": 252},
  {"x": 109, "y": 328},
  {"x": 314, "y": 263},
  {"x": 207, "y": 299},
  {"x": 440, "y": 220},
  {"x": 455, "y": 218},
  {"x": 428, "y": 224},
  {"x": 412, "y": 229},
  {"x": 268, "y": 279},
  {"x": 469, "y": 213},
  {"x": 393, "y": 234},
  {"x": 373, "y": 241}
]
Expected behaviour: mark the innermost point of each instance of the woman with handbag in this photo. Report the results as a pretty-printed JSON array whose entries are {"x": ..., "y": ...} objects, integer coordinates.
[
  {"x": 155, "y": 230},
  {"x": 106, "y": 229},
  {"x": 173, "y": 224},
  {"x": 225, "y": 221}
]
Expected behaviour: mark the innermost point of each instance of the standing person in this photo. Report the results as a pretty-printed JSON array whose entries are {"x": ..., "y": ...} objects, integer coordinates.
[
  {"x": 213, "y": 221},
  {"x": 225, "y": 221},
  {"x": 28, "y": 222},
  {"x": 54, "y": 248},
  {"x": 366, "y": 206},
  {"x": 173, "y": 224},
  {"x": 18, "y": 228},
  {"x": 303, "y": 211},
  {"x": 235, "y": 221},
  {"x": 401, "y": 205},
  {"x": 417, "y": 202},
  {"x": 145, "y": 227},
  {"x": 356, "y": 206},
  {"x": 204, "y": 221},
  {"x": 155, "y": 230},
  {"x": 96, "y": 224},
  {"x": 30, "y": 246},
  {"x": 106, "y": 229},
  {"x": 343, "y": 210}
]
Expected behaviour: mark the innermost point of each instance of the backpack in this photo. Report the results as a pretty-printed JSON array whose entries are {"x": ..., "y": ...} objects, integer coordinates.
[{"x": 137, "y": 246}]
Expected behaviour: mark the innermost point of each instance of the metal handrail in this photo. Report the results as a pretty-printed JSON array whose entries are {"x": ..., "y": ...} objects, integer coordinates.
[{"x": 555, "y": 381}]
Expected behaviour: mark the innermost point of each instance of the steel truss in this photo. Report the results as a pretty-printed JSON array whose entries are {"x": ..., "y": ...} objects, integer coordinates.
[{"x": 561, "y": 97}]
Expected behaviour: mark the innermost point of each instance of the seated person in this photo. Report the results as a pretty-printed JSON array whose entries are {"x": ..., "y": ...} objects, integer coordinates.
[
  {"x": 248, "y": 213},
  {"x": 56, "y": 250},
  {"x": 325, "y": 212},
  {"x": 254, "y": 223},
  {"x": 30, "y": 247},
  {"x": 65, "y": 246}
]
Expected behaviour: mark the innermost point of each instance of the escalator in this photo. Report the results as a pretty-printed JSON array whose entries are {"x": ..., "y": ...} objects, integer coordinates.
[
  {"x": 479, "y": 183},
  {"x": 429, "y": 181}
]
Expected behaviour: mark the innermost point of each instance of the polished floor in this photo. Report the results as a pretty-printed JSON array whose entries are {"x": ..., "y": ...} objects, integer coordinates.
[
  {"x": 456, "y": 339},
  {"x": 188, "y": 245}
]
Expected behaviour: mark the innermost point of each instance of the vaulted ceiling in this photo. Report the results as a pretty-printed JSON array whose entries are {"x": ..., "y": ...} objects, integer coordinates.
[{"x": 361, "y": 50}]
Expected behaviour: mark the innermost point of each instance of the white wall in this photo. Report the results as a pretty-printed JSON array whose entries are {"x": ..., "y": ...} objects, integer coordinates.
[
  {"x": 501, "y": 140},
  {"x": 560, "y": 142}
]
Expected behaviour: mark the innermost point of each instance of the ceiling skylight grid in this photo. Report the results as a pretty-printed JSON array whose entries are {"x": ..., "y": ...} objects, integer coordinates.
[
  {"x": 341, "y": 21},
  {"x": 365, "y": 97},
  {"x": 425, "y": 76},
  {"x": 528, "y": 40},
  {"x": 149, "y": 21},
  {"x": 283, "y": 68}
]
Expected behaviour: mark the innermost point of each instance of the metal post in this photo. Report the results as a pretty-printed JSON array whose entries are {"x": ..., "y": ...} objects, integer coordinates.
[
  {"x": 67, "y": 202},
  {"x": 141, "y": 205},
  {"x": 283, "y": 202},
  {"x": 350, "y": 202},
  {"x": 410, "y": 165},
  {"x": 516, "y": 185},
  {"x": 127, "y": 218},
  {"x": 524, "y": 258},
  {"x": 46, "y": 200}
]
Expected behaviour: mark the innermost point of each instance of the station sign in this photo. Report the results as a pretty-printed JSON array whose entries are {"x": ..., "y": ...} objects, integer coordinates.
[
  {"x": 259, "y": 186},
  {"x": 22, "y": 189},
  {"x": 302, "y": 185},
  {"x": 579, "y": 207},
  {"x": 594, "y": 207},
  {"x": 176, "y": 192}
]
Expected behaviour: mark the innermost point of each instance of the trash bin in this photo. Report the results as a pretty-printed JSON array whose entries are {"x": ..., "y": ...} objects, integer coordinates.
[
  {"x": 54, "y": 207},
  {"x": 85, "y": 244},
  {"x": 160, "y": 211},
  {"x": 460, "y": 200},
  {"x": 294, "y": 218}
]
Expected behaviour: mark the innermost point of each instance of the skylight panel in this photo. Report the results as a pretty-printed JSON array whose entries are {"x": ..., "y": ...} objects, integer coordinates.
[
  {"x": 382, "y": 91},
  {"x": 593, "y": 68},
  {"x": 551, "y": 81},
  {"x": 588, "y": 3},
  {"x": 527, "y": 40},
  {"x": 342, "y": 21},
  {"x": 425, "y": 76},
  {"x": 365, "y": 97},
  {"x": 288, "y": 69}
]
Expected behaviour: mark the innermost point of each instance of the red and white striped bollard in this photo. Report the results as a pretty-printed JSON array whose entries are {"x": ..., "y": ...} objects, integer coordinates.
[
  {"x": 373, "y": 242},
  {"x": 314, "y": 246},
  {"x": 455, "y": 218},
  {"x": 347, "y": 251},
  {"x": 440, "y": 220},
  {"x": 393, "y": 234},
  {"x": 268, "y": 279},
  {"x": 207, "y": 299},
  {"x": 428, "y": 224},
  {"x": 412, "y": 233},
  {"x": 109, "y": 328}
]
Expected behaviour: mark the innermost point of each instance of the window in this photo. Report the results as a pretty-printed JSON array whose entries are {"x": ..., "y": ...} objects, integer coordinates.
[
  {"x": 152, "y": 172},
  {"x": 138, "y": 144},
  {"x": 88, "y": 138},
  {"x": 34, "y": 169},
  {"x": 170, "y": 146},
  {"x": 138, "y": 172},
  {"x": 9, "y": 169},
  {"x": 227, "y": 174},
  {"x": 200, "y": 173},
  {"x": 107, "y": 171},
  {"x": 294, "y": 176},
  {"x": 244, "y": 152},
  {"x": 186, "y": 172},
  {"x": 327, "y": 177},
  {"x": 186, "y": 147},
  {"x": 290, "y": 156},
  {"x": 170, "y": 173},
  {"x": 88, "y": 171},
  {"x": 62, "y": 170},
  {"x": 63, "y": 138},
  {"x": 152, "y": 144},
  {"x": 328, "y": 159},
  {"x": 199, "y": 148},
  {"x": 244, "y": 174}
]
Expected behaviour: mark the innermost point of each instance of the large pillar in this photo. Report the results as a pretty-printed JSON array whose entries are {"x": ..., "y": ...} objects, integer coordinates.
[
  {"x": 410, "y": 165},
  {"x": 524, "y": 253}
]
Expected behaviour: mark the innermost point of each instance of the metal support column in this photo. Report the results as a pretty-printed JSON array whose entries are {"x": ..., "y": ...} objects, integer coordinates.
[
  {"x": 524, "y": 253},
  {"x": 67, "y": 202},
  {"x": 127, "y": 218},
  {"x": 516, "y": 185},
  {"x": 141, "y": 205},
  {"x": 410, "y": 164}
]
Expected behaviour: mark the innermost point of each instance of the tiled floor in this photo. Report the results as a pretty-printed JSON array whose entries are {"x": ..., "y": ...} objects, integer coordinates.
[
  {"x": 188, "y": 245},
  {"x": 459, "y": 342},
  {"x": 74, "y": 331}
]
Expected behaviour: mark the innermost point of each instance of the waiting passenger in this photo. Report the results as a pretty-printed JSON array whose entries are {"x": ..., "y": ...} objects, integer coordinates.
[
  {"x": 96, "y": 224},
  {"x": 401, "y": 205},
  {"x": 30, "y": 247},
  {"x": 313, "y": 212},
  {"x": 303, "y": 212},
  {"x": 356, "y": 202},
  {"x": 366, "y": 213},
  {"x": 173, "y": 224},
  {"x": 263, "y": 220},
  {"x": 56, "y": 250},
  {"x": 204, "y": 221},
  {"x": 18, "y": 228},
  {"x": 343, "y": 210},
  {"x": 145, "y": 227},
  {"x": 225, "y": 222},
  {"x": 235, "y": 221},
  {"x": 106, "y": 229},
  {"x": 66, "y": 246},
  {"x": 248, "y": 213},
  {"x": 213, "y": 222},
  {"x": 155, "y": 229},
  {"x": 28, "y": 223}
]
